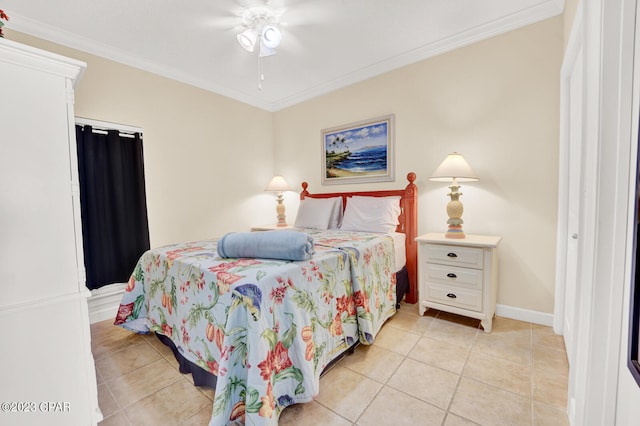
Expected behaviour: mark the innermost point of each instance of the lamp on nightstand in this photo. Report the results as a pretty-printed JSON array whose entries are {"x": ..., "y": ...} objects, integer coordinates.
[
  {"x": 454, "y": 168},
  {"x": 279, "y": 185}
]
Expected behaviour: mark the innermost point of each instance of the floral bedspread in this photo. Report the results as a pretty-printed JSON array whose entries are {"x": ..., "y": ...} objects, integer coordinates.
[{"x": 265, "y": 328}]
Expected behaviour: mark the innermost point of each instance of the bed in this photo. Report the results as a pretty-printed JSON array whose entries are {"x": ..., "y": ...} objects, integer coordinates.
[{"x": 261, "y": 330}]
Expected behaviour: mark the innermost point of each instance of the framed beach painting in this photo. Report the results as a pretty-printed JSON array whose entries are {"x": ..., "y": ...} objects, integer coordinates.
[{"x": 359, "y": 152}]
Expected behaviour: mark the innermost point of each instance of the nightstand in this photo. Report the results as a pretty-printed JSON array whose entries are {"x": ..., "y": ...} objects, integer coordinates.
[
  {"x": 459, "y": 275},
  {"x": 273, "y": 227}
]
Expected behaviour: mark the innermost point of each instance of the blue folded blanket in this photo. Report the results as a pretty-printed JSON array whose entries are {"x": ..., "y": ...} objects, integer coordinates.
[{"x": 285, "y": 245}]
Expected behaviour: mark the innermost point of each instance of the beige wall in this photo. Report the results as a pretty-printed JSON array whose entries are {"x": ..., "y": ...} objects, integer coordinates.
[
  {"x": 205, "y": 167},
  {"x": 497, "y": 103}
]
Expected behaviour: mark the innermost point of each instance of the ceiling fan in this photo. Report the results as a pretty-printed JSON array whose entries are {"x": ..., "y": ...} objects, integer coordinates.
[{"x": 262, "y": 28}]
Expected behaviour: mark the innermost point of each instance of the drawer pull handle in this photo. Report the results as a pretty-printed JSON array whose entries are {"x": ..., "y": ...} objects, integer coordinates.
[
  {"x": 453, "y": 255},
  {"x": 452, "y": 275},
  {"x": 451, "y": 295}
]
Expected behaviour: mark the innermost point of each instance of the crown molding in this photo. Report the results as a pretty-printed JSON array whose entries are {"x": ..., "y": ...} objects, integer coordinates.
[
  {"x": 543, "y": 11},
  {"x": 56, "y": 35},
  {"x": 41, "y": 60},
  {"x": 549, "y": 9}
]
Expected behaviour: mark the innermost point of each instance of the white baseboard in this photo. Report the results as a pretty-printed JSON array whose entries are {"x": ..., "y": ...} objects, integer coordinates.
[
  {"x": 571, "y": 410},
  {"x": 520, "y": 314},
  {"x": 104, "y": 302}
]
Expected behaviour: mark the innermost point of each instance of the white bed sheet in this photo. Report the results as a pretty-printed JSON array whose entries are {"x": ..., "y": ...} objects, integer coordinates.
[{"x": 399, "y": 245}]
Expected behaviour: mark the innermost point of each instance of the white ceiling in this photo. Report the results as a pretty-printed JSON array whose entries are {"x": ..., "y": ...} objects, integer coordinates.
[{"x": 326, "y": 44}]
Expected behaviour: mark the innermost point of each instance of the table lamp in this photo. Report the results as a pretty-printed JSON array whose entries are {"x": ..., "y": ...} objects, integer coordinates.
[
  {"x": 279, "y": 185},
  {"x": 454, "y": 168}
]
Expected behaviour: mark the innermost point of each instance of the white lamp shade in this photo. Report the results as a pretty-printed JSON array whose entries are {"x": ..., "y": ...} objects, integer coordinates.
[
  {"x": 247, "y": 39},
  {"x": 271, "y": 36},
  {"x": 266, "y": 51},
  {"x": 454, "y": 166},
  {"x": 278, "y": 184}
]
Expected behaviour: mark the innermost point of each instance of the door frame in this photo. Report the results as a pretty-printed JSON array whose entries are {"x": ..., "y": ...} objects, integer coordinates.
[{"x": 608, "y": 30}]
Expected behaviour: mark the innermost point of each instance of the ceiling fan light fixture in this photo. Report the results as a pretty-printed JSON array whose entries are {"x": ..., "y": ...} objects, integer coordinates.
[
  {"x": 271, "y": 36},
  {"x": 247, "y": 39},
  {"x": 261, "y": 26}
]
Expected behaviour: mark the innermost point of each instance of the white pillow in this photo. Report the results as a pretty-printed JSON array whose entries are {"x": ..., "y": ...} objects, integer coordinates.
[
  {"x": 314, "y": 213},
  {"x": 371, "y": 214},
  {"x": 336, "y": 214}
]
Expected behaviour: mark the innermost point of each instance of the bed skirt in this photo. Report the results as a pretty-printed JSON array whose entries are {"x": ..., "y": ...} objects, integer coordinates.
[
  {"x": 402, "y": 285},
  {"x": 204, "y": 378}
]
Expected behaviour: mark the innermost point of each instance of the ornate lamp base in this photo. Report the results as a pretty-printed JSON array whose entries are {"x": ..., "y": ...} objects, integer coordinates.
[
  {"x": 280, "y": 210},
  {"x": 454, "y": 211},
  {"x": 455, "y": 231}
]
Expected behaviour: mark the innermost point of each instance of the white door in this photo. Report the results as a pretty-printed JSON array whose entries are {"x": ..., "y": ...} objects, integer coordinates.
[{"x": 573, "y": 199}]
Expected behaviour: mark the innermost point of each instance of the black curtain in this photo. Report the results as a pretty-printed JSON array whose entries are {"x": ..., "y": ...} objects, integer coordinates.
[{"x": 115, "y": 230}]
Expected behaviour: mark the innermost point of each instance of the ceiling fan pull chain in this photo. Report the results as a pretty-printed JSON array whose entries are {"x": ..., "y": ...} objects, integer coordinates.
[{"x": 260, "y": 73}]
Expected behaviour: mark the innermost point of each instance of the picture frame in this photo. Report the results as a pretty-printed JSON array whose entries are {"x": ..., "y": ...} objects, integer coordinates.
[{"x": 359, "y": 152}]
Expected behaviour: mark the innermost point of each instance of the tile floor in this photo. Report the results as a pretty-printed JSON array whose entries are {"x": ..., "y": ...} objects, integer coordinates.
[{"x": 439, "y": 369}]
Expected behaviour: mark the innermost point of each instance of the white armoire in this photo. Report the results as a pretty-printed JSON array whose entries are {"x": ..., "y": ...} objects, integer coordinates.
[{"x": 47, "y": 372}]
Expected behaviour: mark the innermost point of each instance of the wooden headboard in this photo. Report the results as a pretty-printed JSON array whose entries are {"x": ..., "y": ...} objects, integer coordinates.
[{"x": 408, "y": 222}]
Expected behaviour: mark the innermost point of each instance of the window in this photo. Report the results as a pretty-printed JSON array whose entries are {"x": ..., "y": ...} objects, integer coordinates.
[{"x": 115, "y": 230}]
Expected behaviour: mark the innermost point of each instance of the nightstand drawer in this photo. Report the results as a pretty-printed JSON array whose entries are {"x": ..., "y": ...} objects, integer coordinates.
[
  {"x": 452, "y": 275},
  {"x": 455, "y": 296},
  {"x": 470, "y": 257}
]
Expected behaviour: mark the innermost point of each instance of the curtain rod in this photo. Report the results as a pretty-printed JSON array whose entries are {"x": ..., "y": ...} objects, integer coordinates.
[
  {"x": 104, "y": 132},
  {"x": 105, "y": 125}
]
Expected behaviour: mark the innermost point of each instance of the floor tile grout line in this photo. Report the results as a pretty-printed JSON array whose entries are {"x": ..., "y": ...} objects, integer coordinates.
[
  {"x": 124, "y": 407},
  {"x": 530, "y": 397},
  {"x": 391, "y": 375},
  {"x": 111, "y": 379},
  {"x": 108, "y": 353},
  {"x": 156, "y": 391},
  {"x": 424, "y": 334},
  {"x": 508, "y": 359},
  {"x": 369, "y": 404},
  {"x": 335, "y": 412},
  {"x": 385, "y": 384},
  {"x": 455, "y": 391},
  {"x": 121, "y": 408}
]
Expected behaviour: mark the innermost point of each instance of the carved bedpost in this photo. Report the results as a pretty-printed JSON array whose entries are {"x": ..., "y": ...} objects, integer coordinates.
[
  {"x": 411, "y": 224},
  {"x": 304, "y": 192}
]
